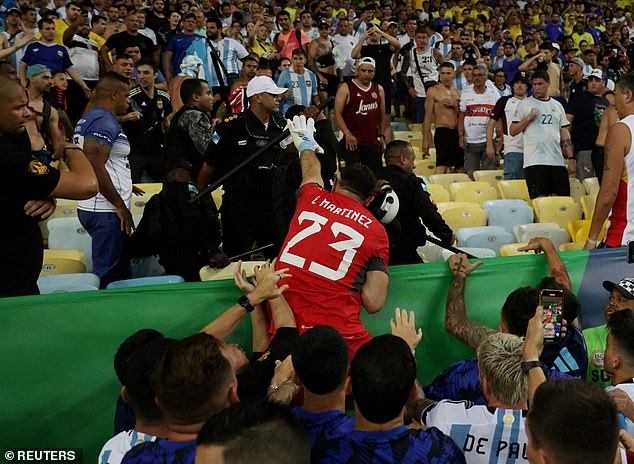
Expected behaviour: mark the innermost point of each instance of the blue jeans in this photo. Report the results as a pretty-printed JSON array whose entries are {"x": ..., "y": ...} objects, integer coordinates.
[
  {"x": 420, "y": 109},
  {"x": 513, "y": 166},
  {"x": 109, "y": 243}
]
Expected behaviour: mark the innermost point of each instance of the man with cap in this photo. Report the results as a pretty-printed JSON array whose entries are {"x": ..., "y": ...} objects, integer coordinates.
[
  {"x": 584, "y": 113},
  {"x": 621, "y": 298},
  {"x": 360, "y": 113},
  {"x": 247, "y": 204},
  {"x": 43, "y": 127},
  {"x": 579, "y": 84},
  {"x": 502, "y": 116}
]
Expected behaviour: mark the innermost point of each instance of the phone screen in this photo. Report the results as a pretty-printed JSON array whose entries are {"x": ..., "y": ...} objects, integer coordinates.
[{"x": 552, "y": 305}]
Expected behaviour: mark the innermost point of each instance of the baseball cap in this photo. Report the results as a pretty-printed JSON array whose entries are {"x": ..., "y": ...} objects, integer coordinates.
[
  {"x": 521, "y": 77},
  {"x": 368, "y": 60},
  {"x": 577, "y": 61},
  {"x": 263, "y": 84},
  {"x": 14, "y": 10},
  {"x": 597, "y": 74},
  {"x": 392, "y": 23},
  {"x": 556, "y": 46},
  {"x": 36, "y": 70},
  {"x": 625, "y": 287}
]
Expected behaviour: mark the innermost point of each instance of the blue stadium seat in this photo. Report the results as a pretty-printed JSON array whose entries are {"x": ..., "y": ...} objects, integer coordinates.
[
  {"x": 156, "y": 280},
  {"x": 491, "y": 237},
  {"x": 507, "y": 213},
  {"x": 62, "y": 283}
]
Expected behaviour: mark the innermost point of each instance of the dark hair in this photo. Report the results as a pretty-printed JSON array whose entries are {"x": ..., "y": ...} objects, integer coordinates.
[
  {"x": 190, "y": 15},
  {"x": 294, "y": 110},
  {"x": 257, "y": 431},
  {"x": 298, "y": 52},
  {"x": 147, "y": 62},
  {"x": 627, "y": 82},
  {"x": 395, "y": 149},
  {"x": 141, "y": 365},
  {"x": 519, "y": 308},
  {"x": 541, "y": 74},
  {"x": 44, "y": 20},
  {"x": 447, "y": 64},
  {"x": 282, "y": 13},
  {"x": 575, "y": 421},
  {"x": 215, "y": 20},
  {"x": 75, "y": 3},
  {"x": 251, "y": 57},
  {"x": 421, "y": 30},
  {"x": 191, "y": 87},
  {"x": 124, "y": 56},
  {"x": 621, "y": 325},
  {"x": 96, "y": 19},
  {"x": 129, "y": 346},
  {"x": 191, "y": 378},
  {"x": 383, "y": 374},
  {"x": 471, "y": 62},
  {"x": 320, "y": 359},
  {"x": 358, "y": 179}
]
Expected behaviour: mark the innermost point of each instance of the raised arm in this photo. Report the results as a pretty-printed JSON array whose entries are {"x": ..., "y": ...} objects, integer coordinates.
[
  {"x": 555, "y": 264},
  {"x": 80, "y": 182},
  {"x": 533, "y": 345},
  {"x": 303, "y": 133},
  {"x": 456, "y": 322}
]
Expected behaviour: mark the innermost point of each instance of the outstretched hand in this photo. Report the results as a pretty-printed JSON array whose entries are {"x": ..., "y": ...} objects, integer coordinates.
[
  {"x": 460, "y": 265},
  {"x": 404, "y": 326},
  {"x": 241, "y": 280},
  {"x": 303, "y": 132},
  {"x": 538, "y": 245},
  {"x": 266, "y": 280}
]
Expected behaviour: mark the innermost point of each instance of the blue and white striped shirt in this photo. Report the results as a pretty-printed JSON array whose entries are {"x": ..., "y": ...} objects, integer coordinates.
[{"x": 303, "y": 86}]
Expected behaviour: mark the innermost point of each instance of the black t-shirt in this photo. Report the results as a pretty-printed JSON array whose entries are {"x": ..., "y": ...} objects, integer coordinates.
[
  {"x": 587, "y": 110},
  {"x": 121, "y": 40},
  {"x": 21, "y": 249},
  {"x": 382, "y": 55},
  {"x": 146, "y": 135},
  {"x": 255, "y": 381}
]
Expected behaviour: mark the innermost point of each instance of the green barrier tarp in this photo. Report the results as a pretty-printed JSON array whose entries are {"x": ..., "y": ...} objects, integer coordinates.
[{"x": 59, "y": 387}]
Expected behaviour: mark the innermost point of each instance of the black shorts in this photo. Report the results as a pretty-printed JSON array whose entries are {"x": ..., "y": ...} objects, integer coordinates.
[
  {"x": 448, "y": 151},
  {"x": 547, "y": 180}
]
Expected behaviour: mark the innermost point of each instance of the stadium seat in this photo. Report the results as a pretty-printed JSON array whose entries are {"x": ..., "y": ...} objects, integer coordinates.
[
  {"x": 477, "y": 252},
  {"x": 146, "y": 266},
  {"x": 208, "y": 273},
  {"x": 587, "y": 205},
  {"x": 65, "y": 208},
  {"x": 513, "y": 190},
  {"x": 490, "y": 176},
  {"x": 577, "y": 189},
  {"x": 425, "y": 168},
  {"x": 156, "y": 280},
  {"x": 416, "y": 127},
  {"x": 592, "y": 185},
  {"x": 510, "y": 249},
  {"x": 68, "y": 233},
  {"x": 399, "y": 126},
  {"x": 62, "y": 266},
  {"x": 458, "y": 214},
  {"x": 406, "y": 135},
  {"x": 491, "y": 237},
  {"x": 477, "y": 192},
  {"x": 507, "y": 213},
  {"x": 579, "y": 230},
  {"x": 62, "y": 283},
  {"x": 525, "y": 232},
  {"x": 571, "y": 246},
  {"x": 438, "y": 193},
  {"x": 446, "y": 179},
  {"x": 57, "y": 253},
  {"x": 137, "y": 205},
  {"x": 416, "y": 142},
  {"x": 153, "y": 187},
  {"x": 561, "y": 210}
]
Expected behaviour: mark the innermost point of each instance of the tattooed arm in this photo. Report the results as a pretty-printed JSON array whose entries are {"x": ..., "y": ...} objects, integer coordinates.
[
  {"x": 456, "y": 322},
  {"x": 557, "y": 268}
]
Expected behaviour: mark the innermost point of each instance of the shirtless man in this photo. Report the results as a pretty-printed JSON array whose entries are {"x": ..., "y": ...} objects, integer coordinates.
[
  {"x": 114, "y": 25},
  {"x": 46, "y": 138},
  {"x": 442, "y": 105}
]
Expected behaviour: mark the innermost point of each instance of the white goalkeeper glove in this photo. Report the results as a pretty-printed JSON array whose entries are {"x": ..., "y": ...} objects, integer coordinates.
[{"x": 302, "y": 131}]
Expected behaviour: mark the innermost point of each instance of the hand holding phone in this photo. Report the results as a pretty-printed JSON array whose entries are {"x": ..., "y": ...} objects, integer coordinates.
[{"x": 552, "y": 303}]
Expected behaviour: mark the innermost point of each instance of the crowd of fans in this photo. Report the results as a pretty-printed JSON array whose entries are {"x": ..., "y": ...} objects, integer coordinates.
[{"x": 122, "y": 92}]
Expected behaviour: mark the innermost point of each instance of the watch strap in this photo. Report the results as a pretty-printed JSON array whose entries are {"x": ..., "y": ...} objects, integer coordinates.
[
  {"x": 527, "y": 366},
  {"x": 244, "y": 302}
]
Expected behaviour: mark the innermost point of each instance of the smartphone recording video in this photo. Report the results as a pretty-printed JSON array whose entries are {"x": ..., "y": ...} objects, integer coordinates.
[{"x": 552, "y": 302}]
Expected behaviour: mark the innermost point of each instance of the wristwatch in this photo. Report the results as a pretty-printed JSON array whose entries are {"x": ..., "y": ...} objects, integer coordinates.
[
  {"x": 527, "y": 366},
  {"x": 244, "y": 302}
]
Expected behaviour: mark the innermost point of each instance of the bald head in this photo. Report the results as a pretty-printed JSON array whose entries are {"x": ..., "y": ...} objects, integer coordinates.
[
  {"x": 8, "y": 89},
  {"x": 112, "y": 92}
]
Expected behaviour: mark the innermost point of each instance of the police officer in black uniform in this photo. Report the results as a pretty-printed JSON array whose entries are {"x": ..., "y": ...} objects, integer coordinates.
[
  {"x": 247, "y": 206},
  {"x": 414, "y": 205}
]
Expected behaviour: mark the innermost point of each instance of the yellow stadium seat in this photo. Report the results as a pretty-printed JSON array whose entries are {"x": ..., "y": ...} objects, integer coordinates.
[
  {"x": 438, "y": 193},
  {"x": 477, "y": 192},
  {"x": 416, "y": 127},
  {"x": 587, "y": 205},
  {"x": 65, "y": 208},
  {"x": 513, "y": 190},
  {"x": 154, "y": 187},
  {"x": 62, "y": 266},
  {"x": 77, "y": 255},
  {"x": 446, "y": 179},
  {"x": 407, "y": 136},
  {"x": 592, "y": 185},
  {"x": 492, "y": 176},
  {"x": 577, "y": 189},
  {"x": 217, "y": 196},
  {"x": 416, "y": 142},
  {"x": 207, "y": 273},
  {"x": 510, "y": 249},
  {"x": 571, "y": 246},
  {"x": 560, "y": 210},
  {"x": 580, "y": 229},
  {"x": 137, "y": 205},
  {"x": 425, "y": 168},
  {"x": 462, "y": 214}
]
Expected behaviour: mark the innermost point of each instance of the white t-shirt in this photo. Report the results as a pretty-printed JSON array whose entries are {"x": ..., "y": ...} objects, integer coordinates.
[
  {"x": 346, "y": 44},
  {"x": 428, "y": 68},
  {"x": 626, "y": 423},
  {"x": 115, "y": 448},
  {"x": 542, "y": 135},
  {"x": 478, "y": 108},
  {"x": 84, "y": 52},
  {"x": 512, "y": 144},
  {"x": 482, "y": 435}
]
